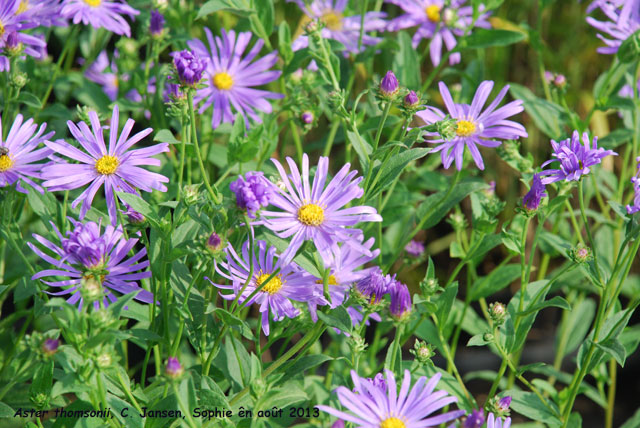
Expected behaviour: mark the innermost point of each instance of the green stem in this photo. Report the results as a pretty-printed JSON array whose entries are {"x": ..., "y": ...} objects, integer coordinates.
[
  {"x": 592, "y": 243},
  {"x": 73, "y": 32}
]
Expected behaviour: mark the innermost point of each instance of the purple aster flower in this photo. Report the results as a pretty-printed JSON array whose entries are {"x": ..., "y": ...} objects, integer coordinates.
[
  {"x": 189, "y": 66},
  {"x": 117, "y": 167},
  {"x": 105, "y": 74},
  {"x": 497, "y": 422},
  {"x": 389, "y": 84},
  {"x": 89, "y": 254},
  {"x": 252, "y": 192},
  {"x": 474, "y": 126},
  {"x": 400, "y": 299},
  {"x": 314, "y": 211},
  {"x": 12, "y": 24},
  {"x": 100, "y": 14},
  {"x": 174, "y": 368},
  {"x": 374, "y": 285},
  {"x": 379, "y": 382},
  {"x": 439, "y": 21},
  {"x": 531, "y": 200},
  {"x": 156, "y": 24},
  {"x": 230, "y": 78},
  {"x": 50, "y": 346},
  {"x": 575, "y": 159},
  {"x": 475, "y": 419},
  {"x": 290, "y": 283},
  {"x": 344, "y": 262},
  {"x": 632, "y": 209},
  {"x": 414, "y": 248},
  {"x": 46, "y": 13},
  {"x": 624, "y": 20},
  {"x": 19, "y": 152},
  {"x": 370, "y": 407},
  {"x": 337, "y": 26}
]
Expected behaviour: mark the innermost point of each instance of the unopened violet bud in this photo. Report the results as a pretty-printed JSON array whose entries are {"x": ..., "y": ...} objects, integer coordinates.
[
  {"x": 174, "y": 369},
  {"x": 157, "y": 23},
  {"x": 400, "y": 300},
  {"x": 188, "y": 66},
  {"x": 50, "y": 346},
  {"x": 12, "y": 41},
  {"x": 504, "y": 403},
  {"x": 389, "y": 84},
  {"x": 531, "y": 200},
  {"x": 414, "y": 248},
  {"x": 560, "y": 81},
  {"x": 307, "y": 117},
  {"x": 474, "y": 420},
  {"x": 253, "y": 191},
  {"x": 214, "y": 243},
  {"x": 548, "y": 76},
  {"x": 133, "y": 216},
  {"x": 411, "y": 99}
]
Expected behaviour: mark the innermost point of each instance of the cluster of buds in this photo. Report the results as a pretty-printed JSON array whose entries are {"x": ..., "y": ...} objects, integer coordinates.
[
  {"x": 357, "y": 343},
  {"x": 423, "y": 352},
  {"x": 497, "y": 313},
  {"x": 580, "y": 254}
]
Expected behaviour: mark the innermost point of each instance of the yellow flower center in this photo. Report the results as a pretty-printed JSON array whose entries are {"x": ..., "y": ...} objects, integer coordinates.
[
  {"x": 2, "y": 30},
  {"x": 5, "y": 163},
  {"x": 332, "y": 280},
  {"x": 107, "y": 165},
  {"x": 392, "y": 423},
  {"x": 433, "y": 13},
  {"x": 223, "y": 81},
  {"x": 93, "y": 3},
  {"x": 465, "y": 128},
  {"x": 332, "y": 20},
  {"x": 24, "y": 6},
  {"x": 273, "y": 286},
  {"x": 311, "y": 215}
]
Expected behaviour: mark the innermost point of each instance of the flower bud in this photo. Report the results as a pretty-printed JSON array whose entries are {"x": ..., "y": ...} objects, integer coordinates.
[
  {"x": 258, "y": 387},
  {"x": 156, "y": 25},
  {"x": 531, "y": 200},
  {"x": 104, "y": 360},
  {"x": 499, "y": 406},
  {"x": 400, "y": 306},
  {"x": 389, "y": 85},
  {"x": 189, "y": 67},
  {"x": 90, "y": 288},
  {"x": 548, "y": 76},
  {"x": 12, "y": 44},
  {"x": 422, "y": 351},
  {"x": 560, "y": 81},
  {"x": 411, "y": 100},
  {"x": 497, "y": 313},
  {"x": 447, "y": 128},
  {"x": 338, "y": 424},
  {"x": 429, "y": 286},
  {"x": 307, "y": 118},
  {"x": 174, "y": 369},
  {"x": 457, "y": 221},
  {"x": 190, "y": 194},
  {"x": 414, "y": 248},
  {"x": 487, "y": 337},
  {"x": 214, "y": 242},
  {"x": 50, "y": 346},
  {"x": 580, "y": 254}
]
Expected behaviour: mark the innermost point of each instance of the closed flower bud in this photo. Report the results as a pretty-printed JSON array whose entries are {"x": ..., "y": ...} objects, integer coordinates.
[
  {"x": 400, "y": 306},
  {"x": 338, "y": 424},
  {"x": 548, "y": 76},
  {"x": 104, "y": 360},
  {"x": 531, "y": 200},
  {"x": 414, "y": 248},
  {"x": 258, "y": 387},
  {"x": 50, "y": 346},
  {"x": 189, "y": 67},
  {"x": 560, "y": 81},
  {"x": 411, "y": 99},
  {"x": 173, "y": 369},
  {"x": 12, "y": 43},
  {"x": 389, "y": 85},
  {"x": 307, "y": 118},
  {"x": 499, "y": 406},
  {"x": 422, "y": 351},
  {"x": 157, "y": 23},
  {"x": 580, "y": 254},
  {"x": 497, "y": 313},
  {"x": 190, "y": 193},
  {"x": 457, "y": 221},
  {"x": 429, "y": 286},
  {"x": 447, "y": 128},
  {"x": 90, "y": 289},
  {"x": 214, "y": 243}
]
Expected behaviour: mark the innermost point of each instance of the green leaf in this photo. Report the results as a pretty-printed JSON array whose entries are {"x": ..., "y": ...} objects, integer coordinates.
[
  {"x": 285, "y": 396},
  {"x": 528, "y": 404},
  {"x": 555, "y": 301},
  {"x": 444, "y": 302},
  {"x": 548, "y": 117},
  {"x": 166, "y": 136},
  {"x": 407, "y": 62},
  {"x": 394, "y": 168},
  {"x": 29, "y": 99},
  {"x": 614, "y": 348},
  {"x": 214, "y": 395},
  {"x": 227, "y": 5},
  {"x": 305, "y": 363},
  {"x": 615, "y": 138},
  {"x": 43, "y": 379},
  {"x": 140, "y": 205},
  {"x": 117, "y": 307},
  {"x": 284, "y": 42},
  {"x": 477, "y": 340},
  {"x": 461, "y": 191},
  {"x": 632, "y": 422},
  {"x": 483, "y": 38},
  {"x": 362, "y": 148},
  {"x": 497, "y": 280},
  {"x": 6, "y": 411},
  {"x": 629, "y": 50},
  {"x": 229, "y": 319},
  {"x": 300, "y": 259},
  {"x": 265, "y": 12},
  {"x": 516, "y": 338},
  {"x": 338, "y": 318},
  {"x": 576, "y": 325}
]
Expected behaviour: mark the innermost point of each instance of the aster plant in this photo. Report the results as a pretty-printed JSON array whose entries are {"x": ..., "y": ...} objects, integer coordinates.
[{"x": 115, "y": 167}]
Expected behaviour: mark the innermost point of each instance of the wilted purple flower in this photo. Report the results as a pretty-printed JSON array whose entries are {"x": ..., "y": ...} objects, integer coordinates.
[
  {"x": 12, "y": 23},
  {"x": 20, "y": 150},
  {"x": 414, "y": 248},
  {"x": 374, "y": 285},
  {"x": 189, "y": 66},
  {"x": 100, "y": 14},
  {"x": 118, "y": 168},
  {"x": 575, "y": 159},
  {"x": 400, "y": 299},
  {"x": 410, "y": 407},
  {"x": 439, "y": 21},
  {"x": 389, "y": 84},
  {"x": 497, "y": 422},
  {"x": 344, "y": 262},
  {"x": 474, "y": 126},
  {"x": 174, "y": 368},
  {"x": 316, "y": 211},
  {"x": 337, "y": 26},
  {"x": 156, "y": 24},
  {"x": 632, "y": 209},
  {"x": 624, "y": 20},
  {"x": 253, "y": 192},
  {"x": 87, "y": 254},
  {"x": 307, "y": 117},
  {"x": 531, "y": 200},
  {"x": 50, "y": 346},
  {"x": 291, "y": 282},
  {"x": 411, "y": 100},
  {"x": 474, "y": 420},
  {"x": 230, "y": 78}
]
